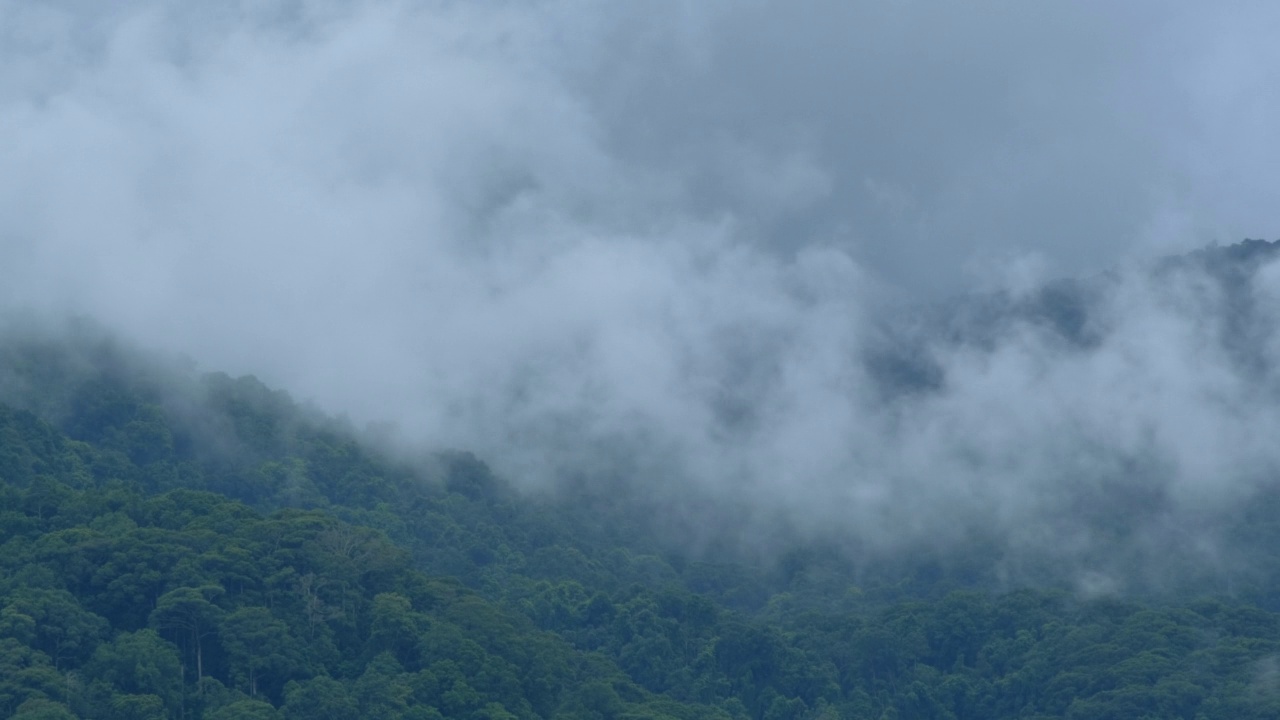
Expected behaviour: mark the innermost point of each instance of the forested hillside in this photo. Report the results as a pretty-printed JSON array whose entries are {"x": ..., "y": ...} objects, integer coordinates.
[
  {"x": 632, "y": 360},
  {"x": 184, "y": 545}
]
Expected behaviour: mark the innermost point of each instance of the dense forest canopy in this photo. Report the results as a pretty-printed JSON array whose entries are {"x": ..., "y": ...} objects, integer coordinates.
[{"x": 178, "y": 544}]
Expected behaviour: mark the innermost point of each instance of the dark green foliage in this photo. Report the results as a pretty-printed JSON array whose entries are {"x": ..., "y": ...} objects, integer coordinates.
[
  {"x": 211, "y": 550},
  {"x": 122, "y": 599}
]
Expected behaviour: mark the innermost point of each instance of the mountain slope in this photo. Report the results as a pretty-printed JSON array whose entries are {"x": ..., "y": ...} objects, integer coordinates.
[{"x": 183, "y": 545}]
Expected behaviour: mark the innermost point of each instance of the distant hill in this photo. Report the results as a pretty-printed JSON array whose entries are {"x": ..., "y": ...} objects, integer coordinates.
[
  {"x": 1069, "y": 309},
  {"x": 183, "y": 545}
]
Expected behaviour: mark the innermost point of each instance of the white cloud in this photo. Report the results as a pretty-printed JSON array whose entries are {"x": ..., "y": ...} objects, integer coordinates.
[{"x": 540, "y": 229}]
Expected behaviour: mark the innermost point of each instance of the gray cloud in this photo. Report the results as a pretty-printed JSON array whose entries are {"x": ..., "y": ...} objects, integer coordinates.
[{"x": 551, "y": 230}]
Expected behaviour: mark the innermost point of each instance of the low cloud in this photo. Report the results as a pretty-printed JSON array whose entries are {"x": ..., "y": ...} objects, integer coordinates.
[{"x": 701, "y": 242}]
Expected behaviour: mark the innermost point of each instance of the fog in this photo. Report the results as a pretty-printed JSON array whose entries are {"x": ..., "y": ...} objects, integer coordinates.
[{"x": 663, "y": 238}]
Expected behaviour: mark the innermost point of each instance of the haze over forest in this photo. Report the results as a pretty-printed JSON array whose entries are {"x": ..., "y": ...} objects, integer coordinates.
[{"x": 792, "y": 255}]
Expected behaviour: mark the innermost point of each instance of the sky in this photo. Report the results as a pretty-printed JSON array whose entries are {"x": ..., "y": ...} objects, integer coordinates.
[{"x": 563, "y": 233}]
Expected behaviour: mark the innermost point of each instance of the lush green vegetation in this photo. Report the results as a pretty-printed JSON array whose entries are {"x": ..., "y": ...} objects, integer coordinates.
[{"x": 174, "y": 546}]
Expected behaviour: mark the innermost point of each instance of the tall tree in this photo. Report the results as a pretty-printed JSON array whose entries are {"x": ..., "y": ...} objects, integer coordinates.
[{"x": 189, "y": 612}]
